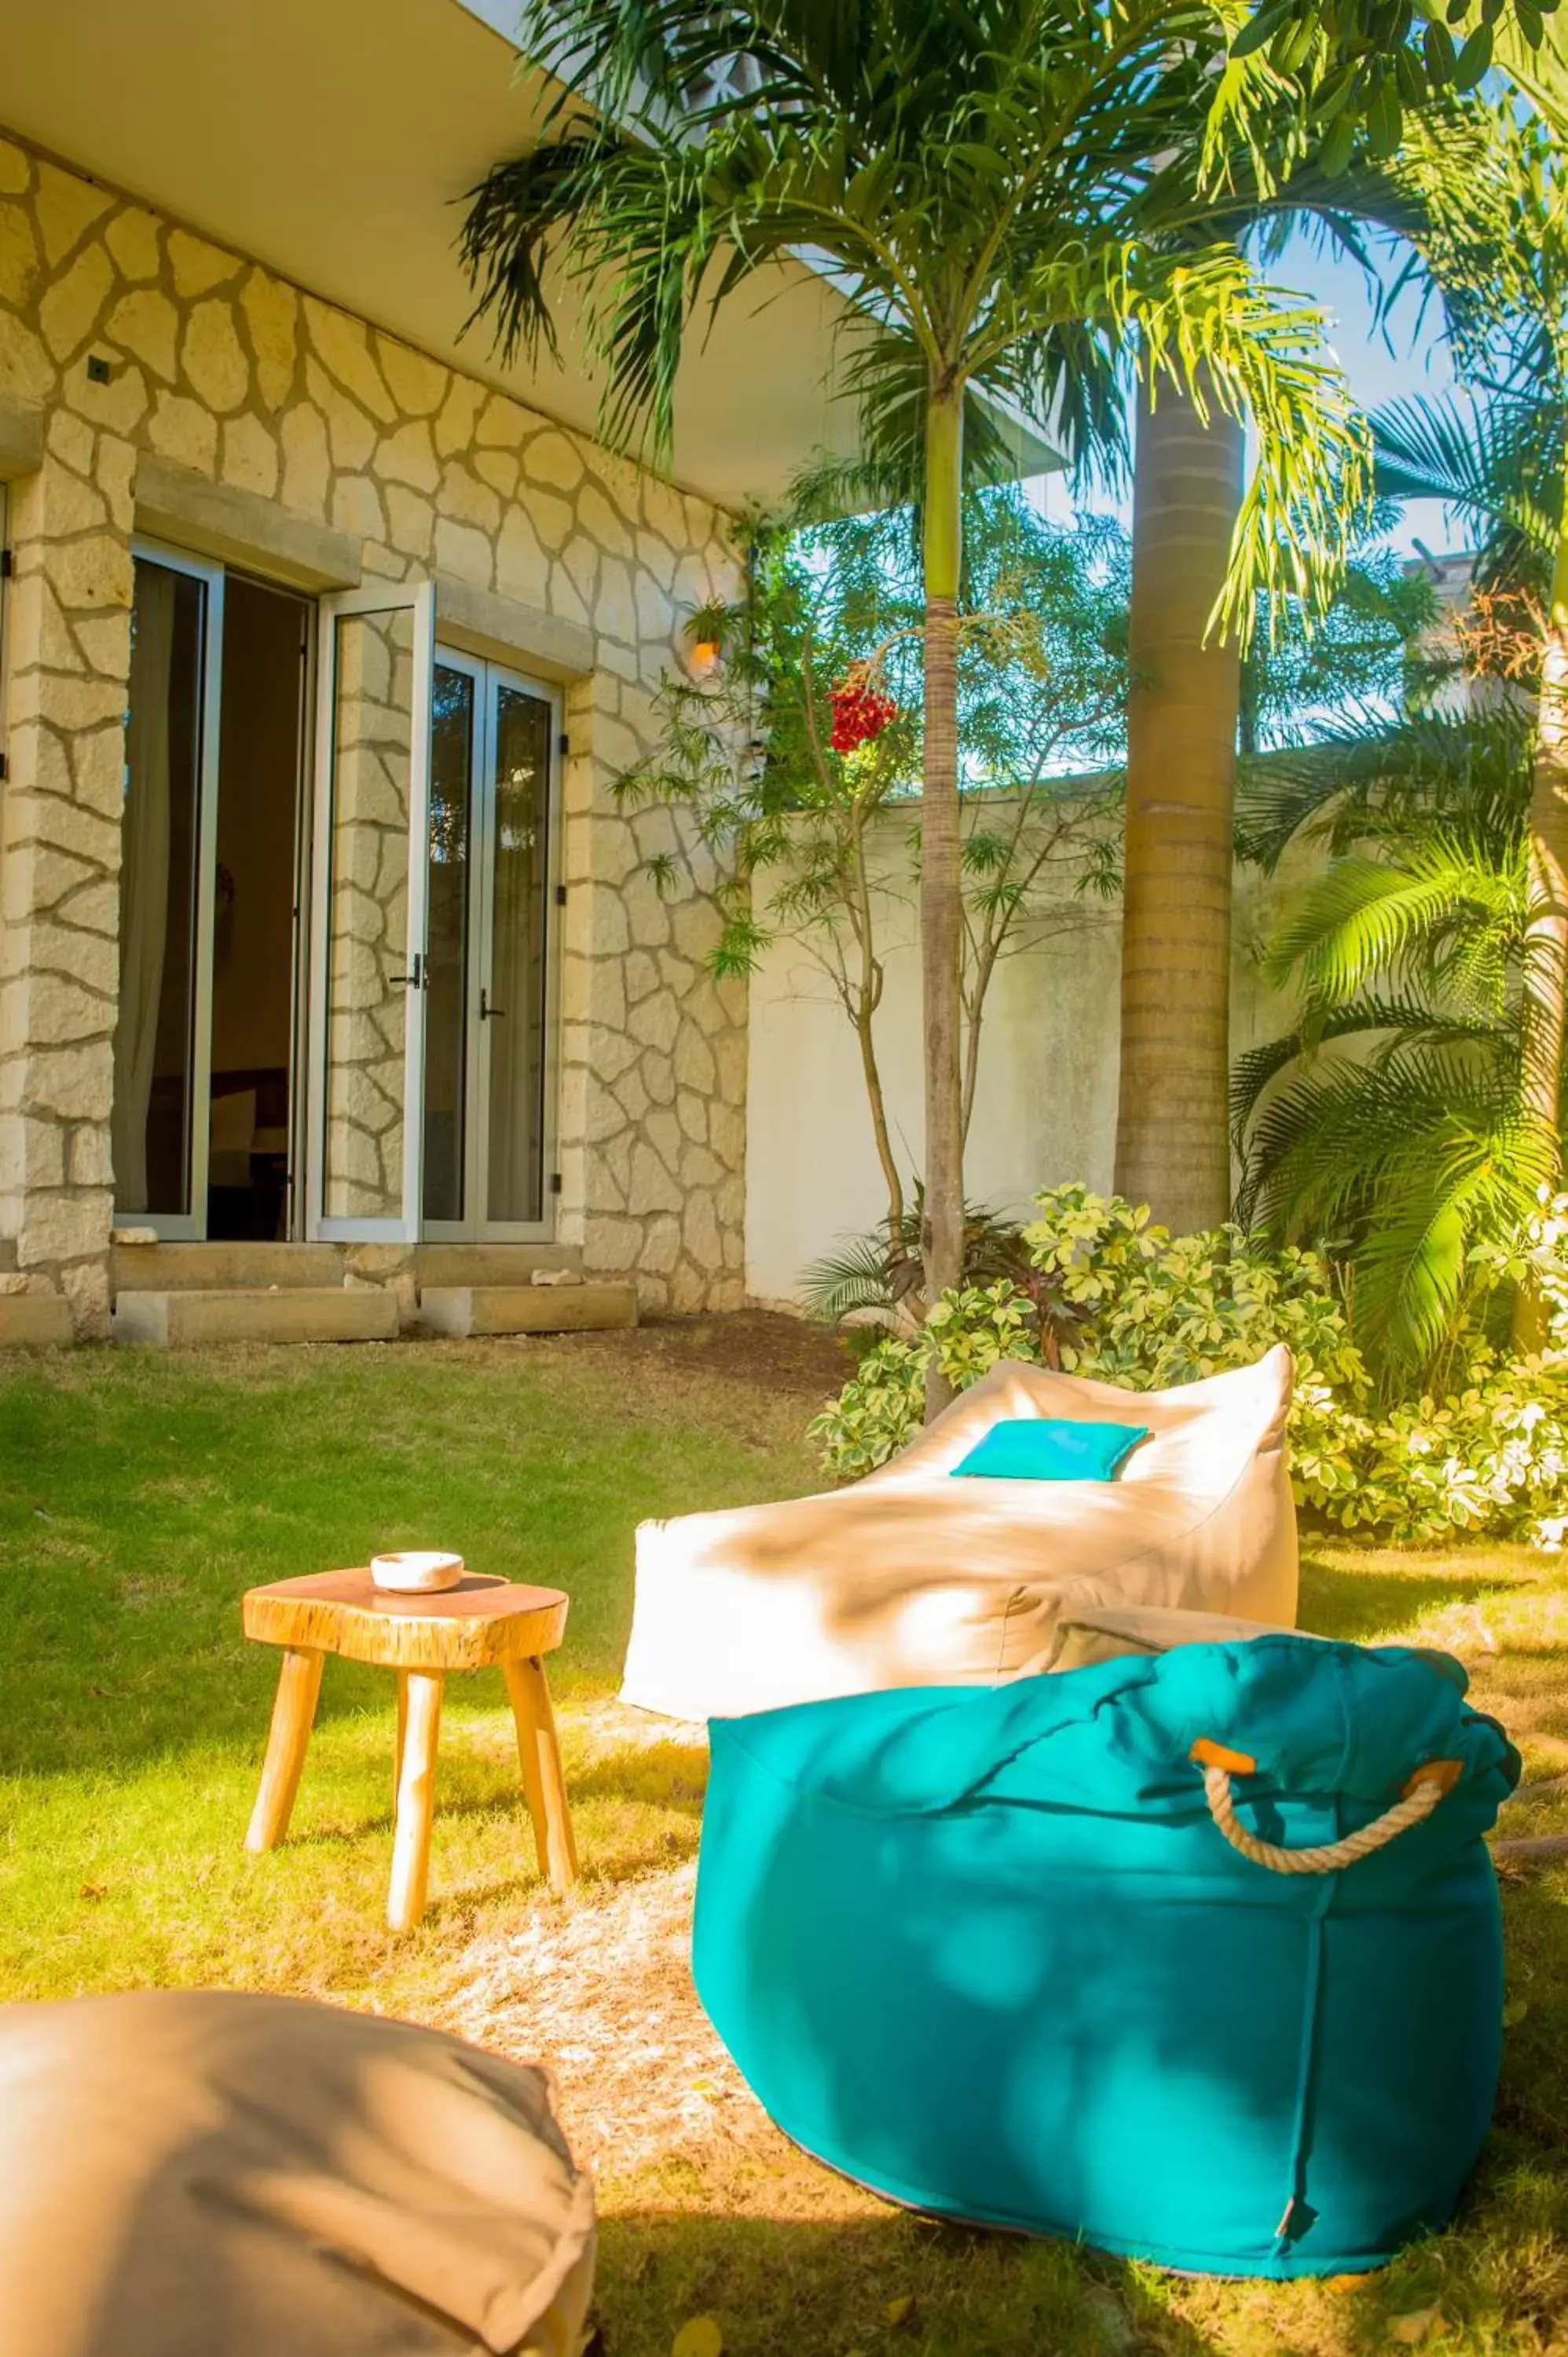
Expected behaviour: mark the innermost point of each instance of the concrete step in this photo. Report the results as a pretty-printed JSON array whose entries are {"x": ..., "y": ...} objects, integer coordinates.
[
  {"x": 470, "y": 1265},
  {"x": 467, "y": 1309},
  {"x": 225, "y": 1268},
  {"x": 7, "y": 1256},
  {"x": 185, "y": 1319},
  {"x": 33, "y": 1319}
]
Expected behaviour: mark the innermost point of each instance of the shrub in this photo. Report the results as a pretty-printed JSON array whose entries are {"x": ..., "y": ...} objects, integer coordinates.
[{"x": 1116, "y": 1296}]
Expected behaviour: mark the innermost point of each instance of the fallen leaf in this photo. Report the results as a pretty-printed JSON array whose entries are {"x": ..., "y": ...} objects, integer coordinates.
[
  {"x": 1515, "y": 2011},
  {"x": 1414, "y": 2326},
  {"x": 698, "y": 2337},
  {"x": 898, "y": 2311},
  {"x": 1343, "y": 2282},
  {"x": 94, "y": 1891}
]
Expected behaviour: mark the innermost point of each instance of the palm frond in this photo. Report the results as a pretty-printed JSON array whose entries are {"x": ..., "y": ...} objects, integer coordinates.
[
  {"x": 1474, "y": 1176},
  {"x": 1497, "y": 461},
  {"x": 1373, "y": 1024},
  {"x": 1448, "y": 915},
  {"x": 1362, "y": 780},
  {"x": 859, "y": 1272}
]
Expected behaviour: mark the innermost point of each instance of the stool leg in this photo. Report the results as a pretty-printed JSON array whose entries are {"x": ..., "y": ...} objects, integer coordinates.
[
  {"x": 538, "y": 1757},
  {"x": 294, "y": 1709},
  {"x": 416, "y": 1798},
  {"x": 401, "y": 1736}
]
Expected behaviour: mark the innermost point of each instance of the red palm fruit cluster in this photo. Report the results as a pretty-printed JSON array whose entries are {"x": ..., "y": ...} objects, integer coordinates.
[{"x": 861, "y": 711}]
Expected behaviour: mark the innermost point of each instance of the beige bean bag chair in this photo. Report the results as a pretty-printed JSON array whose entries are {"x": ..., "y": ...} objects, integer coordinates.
[
  {"x": 909, "y": 1577},
  {"x": 195, "y": 2174}
]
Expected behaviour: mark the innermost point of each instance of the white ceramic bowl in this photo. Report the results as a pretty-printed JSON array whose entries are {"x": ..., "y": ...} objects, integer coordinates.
[{"x": 416, "y": 1572}]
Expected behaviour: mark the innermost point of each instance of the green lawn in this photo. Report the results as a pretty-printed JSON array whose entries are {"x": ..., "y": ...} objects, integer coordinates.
[{"x": 140, "y": 1495}]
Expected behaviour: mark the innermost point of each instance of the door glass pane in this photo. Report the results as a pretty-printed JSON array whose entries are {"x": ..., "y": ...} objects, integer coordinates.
[
  {"x": 446, "y": 1004},
  {"x": 518, "y": 892},
  {"x": 368, "y": 954},
  {"x": 154, "y": 1038}
]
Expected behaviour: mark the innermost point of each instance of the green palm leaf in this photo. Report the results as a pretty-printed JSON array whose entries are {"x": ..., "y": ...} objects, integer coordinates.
[
  {"x": 1493, "y": 460},
  {"x": 1373, "y": 1024},
  {"x": 1448, "y": 917},
  {"x": 1362, "y": 781},
  {"x": 1010, "y": 200}
]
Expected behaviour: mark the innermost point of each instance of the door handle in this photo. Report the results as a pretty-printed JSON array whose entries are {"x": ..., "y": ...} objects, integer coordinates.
[
  {"x": 414, "y": 980},
  {"x": 489, "y": 1013}
]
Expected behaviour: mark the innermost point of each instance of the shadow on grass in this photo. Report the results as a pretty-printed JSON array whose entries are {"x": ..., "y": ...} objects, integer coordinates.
[
  {"x": 867, "y": 2284},
  {"x": 1358, "y": 1604},
  {"x": 667, "y": 1776}
]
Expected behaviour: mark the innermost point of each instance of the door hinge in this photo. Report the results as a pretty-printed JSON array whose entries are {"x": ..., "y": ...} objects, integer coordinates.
[
  {"x": 7, "y": 564},
  {"x": 555, "y": 1182},
  {"x": 560, "y": 895},
  {"x": 4, "y": 773},
  {"x": 563, "y": 743}
]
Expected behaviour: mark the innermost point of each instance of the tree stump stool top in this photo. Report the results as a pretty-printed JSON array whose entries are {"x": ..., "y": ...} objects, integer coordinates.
[{"x": 477, "y": 1625}]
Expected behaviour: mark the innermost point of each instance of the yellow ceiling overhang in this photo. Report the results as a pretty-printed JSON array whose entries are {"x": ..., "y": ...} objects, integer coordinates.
[{"x": 333, "y": 140}]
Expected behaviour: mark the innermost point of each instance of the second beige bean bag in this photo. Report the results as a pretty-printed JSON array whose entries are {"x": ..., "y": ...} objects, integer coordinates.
[
  {"x": 195, "y": 2173},
  {"x": 910, "y": 1577}
]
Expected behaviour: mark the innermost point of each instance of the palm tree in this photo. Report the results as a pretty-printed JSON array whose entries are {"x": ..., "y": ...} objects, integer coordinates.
[
  {"x": 1521, "y": 302},
  {"x": 1391, "y": 1121},
  {"x": 1186, "y": 698},
  {"x": 1172, "y": 1147},
  {"x": 1499, "y": 465},
  {"x": 991, "y": 180}
]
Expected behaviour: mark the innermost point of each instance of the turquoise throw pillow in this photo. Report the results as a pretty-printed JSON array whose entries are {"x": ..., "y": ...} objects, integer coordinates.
[{"x": 1053, "y": 1449}]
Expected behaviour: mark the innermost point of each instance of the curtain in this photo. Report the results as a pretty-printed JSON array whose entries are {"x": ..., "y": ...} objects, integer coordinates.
[
  {"x": 143, "y": 880},
  {"x": 516, "y": 957}
]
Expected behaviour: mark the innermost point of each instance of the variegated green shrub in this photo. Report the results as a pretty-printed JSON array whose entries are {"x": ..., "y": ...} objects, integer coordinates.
[{"x": 1123, "y": 1300}]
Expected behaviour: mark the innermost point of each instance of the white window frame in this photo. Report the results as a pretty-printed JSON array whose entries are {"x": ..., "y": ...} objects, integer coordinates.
[
  {"x": 419, "y": 599},
  {"x": 475, "y": 1227},
  {"x": 540, "y": 1231}
]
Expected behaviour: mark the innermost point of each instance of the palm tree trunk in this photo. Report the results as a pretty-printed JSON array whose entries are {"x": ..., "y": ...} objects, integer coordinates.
[
  {"x": 941, "y": 904},
  {"x": 1546, "y": 933},
  {"x": 1173, "y": 1131}
]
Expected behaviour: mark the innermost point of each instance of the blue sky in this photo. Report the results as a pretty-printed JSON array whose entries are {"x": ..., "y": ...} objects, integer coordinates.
[{"x": 1409, "y": 358}]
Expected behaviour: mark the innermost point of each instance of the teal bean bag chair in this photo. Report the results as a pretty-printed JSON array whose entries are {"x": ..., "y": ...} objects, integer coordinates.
[{"x": 992, "y": 1955}]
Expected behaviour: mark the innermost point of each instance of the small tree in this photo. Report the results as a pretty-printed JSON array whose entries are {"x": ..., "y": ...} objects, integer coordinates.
[{"x": 806, "y": 829}]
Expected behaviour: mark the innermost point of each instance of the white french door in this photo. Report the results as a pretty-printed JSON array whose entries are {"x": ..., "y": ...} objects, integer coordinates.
[
  {"x": 369, "y": 975},
  {"x": 163, "y": 1031},
  {"x": 489, "y": 1011}
]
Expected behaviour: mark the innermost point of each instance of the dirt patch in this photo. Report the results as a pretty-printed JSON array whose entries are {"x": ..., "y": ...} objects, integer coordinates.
[
  {"x": 602, "y": 1991},
  {"x": 758, "y": 1348}
]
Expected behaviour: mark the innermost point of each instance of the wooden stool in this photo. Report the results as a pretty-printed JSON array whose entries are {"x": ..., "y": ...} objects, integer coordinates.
[{"x": 480, "y": 1624}]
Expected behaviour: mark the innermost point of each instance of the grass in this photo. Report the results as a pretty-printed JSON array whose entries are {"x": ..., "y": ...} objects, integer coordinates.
[{"x": 140, "y": 1495}]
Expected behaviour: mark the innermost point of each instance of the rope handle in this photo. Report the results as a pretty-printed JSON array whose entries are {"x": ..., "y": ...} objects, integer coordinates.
[{"x": 1421, "y": 1796}]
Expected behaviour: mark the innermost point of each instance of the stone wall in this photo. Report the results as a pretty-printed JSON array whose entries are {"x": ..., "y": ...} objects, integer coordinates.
[{"x": 216, "y": 365}]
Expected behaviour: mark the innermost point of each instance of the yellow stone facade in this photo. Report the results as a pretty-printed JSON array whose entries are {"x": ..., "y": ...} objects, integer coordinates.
[{"x": 219, "y": 367}]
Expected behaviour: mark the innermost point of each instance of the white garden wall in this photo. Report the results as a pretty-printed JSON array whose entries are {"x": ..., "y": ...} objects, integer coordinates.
[{"x": 1046, "y": 1100}]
